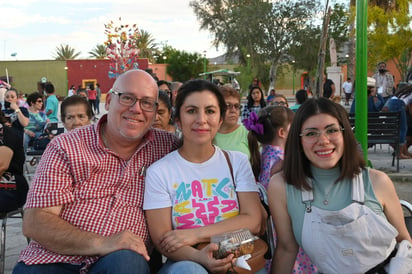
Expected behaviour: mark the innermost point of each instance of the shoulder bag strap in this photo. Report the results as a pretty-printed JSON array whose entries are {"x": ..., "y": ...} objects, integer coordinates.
[{"x": 230, "y": 166}]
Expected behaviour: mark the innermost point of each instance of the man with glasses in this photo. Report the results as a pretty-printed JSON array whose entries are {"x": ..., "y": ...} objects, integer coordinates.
[
  {"x": 84, "y": 209},
  {"x": 232, "y": 135}
]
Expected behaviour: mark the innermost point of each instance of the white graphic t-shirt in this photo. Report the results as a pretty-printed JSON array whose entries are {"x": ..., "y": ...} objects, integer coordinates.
[{"x": 199, "y": 193}]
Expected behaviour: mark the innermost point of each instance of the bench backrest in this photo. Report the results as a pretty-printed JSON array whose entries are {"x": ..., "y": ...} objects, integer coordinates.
[{"x": 383, "y": 127}]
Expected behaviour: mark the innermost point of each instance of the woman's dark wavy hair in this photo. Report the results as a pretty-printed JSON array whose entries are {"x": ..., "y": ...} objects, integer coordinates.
[
  {"x": 272, "y": 118},
  {"x": 296, "y": 167},
  {"x": 198, "y": 85},
  {"x": 250, "y": 101},
  {"x": 32, "y": 98}
]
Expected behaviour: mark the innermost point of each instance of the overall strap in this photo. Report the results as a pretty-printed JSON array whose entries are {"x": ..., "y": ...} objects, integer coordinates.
[
  {"x": 358, "y": 190},
  {"x": 307, "y": 196}
]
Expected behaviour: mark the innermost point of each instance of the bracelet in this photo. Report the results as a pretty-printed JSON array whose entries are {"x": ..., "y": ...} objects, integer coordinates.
[{"x": 17, "y": 110}]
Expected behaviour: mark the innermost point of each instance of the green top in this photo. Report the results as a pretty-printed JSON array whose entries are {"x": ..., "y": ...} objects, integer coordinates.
[
  {"x": 235, "y": 140},
  {"x": 339, "y": 196}
]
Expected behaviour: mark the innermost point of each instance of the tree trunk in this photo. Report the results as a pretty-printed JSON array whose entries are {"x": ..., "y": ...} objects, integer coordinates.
[
  {"x": 272, "y": 75},
  {"x": 322, "y": 52}
]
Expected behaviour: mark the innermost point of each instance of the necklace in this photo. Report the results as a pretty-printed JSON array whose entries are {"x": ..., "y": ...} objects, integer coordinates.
[{"x": 326, "y": 195}]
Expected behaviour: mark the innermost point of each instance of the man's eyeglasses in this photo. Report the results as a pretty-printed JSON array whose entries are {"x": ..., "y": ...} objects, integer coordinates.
[
  {"x": 39, "y": 101},
  {"x": 235, "y": 106},
  {"x": 311, "y": 136},
  {"x": 129, "y": 100},
  {"x": 280, "y": 103}
]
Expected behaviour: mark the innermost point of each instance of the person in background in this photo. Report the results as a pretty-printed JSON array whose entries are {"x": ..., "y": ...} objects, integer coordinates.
[
  {"x": 92, "y": 98},
  {"x": 232, "y": 135},
  {"x": 384, "y": 81},
  {"x": 280, "y": 100},
  {"x": 255, "y": 102},
  {"x": 84, "y": 207},
  {"x": 347, "y": 88},
  {"x": 98, "y": 96},
  {"x": 375, "y": 101},
  {"x": 174, "y": 88},
  {"x": 11, "y": 168},
  {"x": 255, "y": 83},
  {"x": 75, "y": 112},
  {"x": 301, "y": 96},
  {"x": 271, "y": 95},
  {"x": 52, "y": 103},
  {"x": 270, "y": 130},
  {"x": 200, "y": 110},
  {"x": 324, "y": 183},
  {"x": 399, "y": 103},
  {"x": 37, "y": 119},
  {"x": 328, "y": 88},
  {"x": 71, "y": 91},
  {"x": 164, "y": 114},
  {"x": 17, "y": 117}
]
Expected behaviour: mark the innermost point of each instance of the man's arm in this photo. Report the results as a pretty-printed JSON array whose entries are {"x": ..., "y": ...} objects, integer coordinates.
[{"x": 45, "y": 226}]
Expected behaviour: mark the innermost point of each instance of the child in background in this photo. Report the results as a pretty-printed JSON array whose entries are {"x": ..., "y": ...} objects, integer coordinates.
[{"x": 270, "y": 129}]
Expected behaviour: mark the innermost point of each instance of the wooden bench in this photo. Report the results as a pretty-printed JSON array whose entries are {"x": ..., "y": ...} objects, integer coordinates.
[{"x": 383, "y": 128}]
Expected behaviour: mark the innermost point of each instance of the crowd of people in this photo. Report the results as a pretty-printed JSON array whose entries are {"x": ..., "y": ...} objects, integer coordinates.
[{"x": 169, "y": 165}]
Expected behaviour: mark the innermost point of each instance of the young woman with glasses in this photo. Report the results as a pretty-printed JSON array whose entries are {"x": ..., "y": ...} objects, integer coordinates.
[{"x": 342, "y": 213}]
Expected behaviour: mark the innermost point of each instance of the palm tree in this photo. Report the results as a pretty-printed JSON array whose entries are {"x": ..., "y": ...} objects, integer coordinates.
[
  {"x": 99, "y": 52},
  {"x": 146, "y": 45},
  {"x": 65, "y": 52}
]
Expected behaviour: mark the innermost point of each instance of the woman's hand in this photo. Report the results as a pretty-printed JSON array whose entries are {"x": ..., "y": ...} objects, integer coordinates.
[
  {"x": 212, "y": 264},
  {"x": 175, "y": 239},
  {"x": 30, "y": 133}
]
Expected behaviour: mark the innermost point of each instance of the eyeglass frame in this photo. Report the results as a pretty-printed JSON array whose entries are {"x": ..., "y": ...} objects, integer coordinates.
[
  {"x": 156, "y": 104},
  {"x": 279, "y": 103},
  {"x": 307, "y": 139},
  {"x": 233, "y": 106}
]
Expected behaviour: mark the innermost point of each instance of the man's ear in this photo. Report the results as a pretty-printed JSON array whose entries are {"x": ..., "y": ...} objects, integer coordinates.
[{"x": 107, "y": 102}]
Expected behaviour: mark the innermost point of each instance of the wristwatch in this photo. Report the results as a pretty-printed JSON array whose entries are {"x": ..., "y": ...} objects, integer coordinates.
[{"x": 17, "y": 110}]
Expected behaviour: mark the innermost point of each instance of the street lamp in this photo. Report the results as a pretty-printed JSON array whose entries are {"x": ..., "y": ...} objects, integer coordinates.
[
  {"x": 164, "y": 61},
  {"x": 248, "y": 63},
  {"x": 204, "y": 64},
  {"x": 293, "y": 77},
  {"x": 67, "y": 77}
]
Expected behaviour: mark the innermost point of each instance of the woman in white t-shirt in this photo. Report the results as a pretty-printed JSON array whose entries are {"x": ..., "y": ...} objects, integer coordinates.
[{"x": 190, "y": 195}]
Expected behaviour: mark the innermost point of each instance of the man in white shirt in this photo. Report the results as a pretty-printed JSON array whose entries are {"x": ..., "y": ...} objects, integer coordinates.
[{"x": 347, "y": 88}]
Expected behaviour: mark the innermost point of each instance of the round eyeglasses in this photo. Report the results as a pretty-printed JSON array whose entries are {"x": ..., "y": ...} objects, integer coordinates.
[
  {"x": 235, "y": 106},
  {"x": 311, "y": 136},
  {"x": 129, "y": 100},
  {"x": 279, "y": 103}
]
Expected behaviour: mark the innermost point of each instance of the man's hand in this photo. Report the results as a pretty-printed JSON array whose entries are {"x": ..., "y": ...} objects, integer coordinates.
[{"x": 124, "y": 240}]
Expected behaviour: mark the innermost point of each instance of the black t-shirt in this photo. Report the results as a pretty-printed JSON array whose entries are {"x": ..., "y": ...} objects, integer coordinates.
[
  {"x": 327, "y": 88},
  {"x": 11, "y": 140},
  {"x": 11, "y": 116}
]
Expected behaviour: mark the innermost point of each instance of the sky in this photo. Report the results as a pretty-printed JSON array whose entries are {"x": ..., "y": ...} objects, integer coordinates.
[{"x": 33, "y": 29}]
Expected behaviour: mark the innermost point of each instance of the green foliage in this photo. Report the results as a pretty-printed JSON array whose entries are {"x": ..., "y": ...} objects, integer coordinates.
[
  {"x": 99, "y": 52},
  {"x": 147, "y": 45},
  {"x": 264, "y": 29},
  {"x": 65, "y": 52},
  {"x": 182, "y": 65},
  {"x": 389, "y": 34}
]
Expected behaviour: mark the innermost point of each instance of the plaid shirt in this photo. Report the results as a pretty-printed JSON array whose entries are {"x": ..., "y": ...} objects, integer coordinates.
[{"x": 99, "y": 192}]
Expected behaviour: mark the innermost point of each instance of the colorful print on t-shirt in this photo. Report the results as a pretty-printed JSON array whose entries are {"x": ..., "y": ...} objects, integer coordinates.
[{"x": 204, "y": 202}]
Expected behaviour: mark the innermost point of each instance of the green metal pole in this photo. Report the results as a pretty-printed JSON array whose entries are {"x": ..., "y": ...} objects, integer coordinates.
[{"x": 361, "y": 108}]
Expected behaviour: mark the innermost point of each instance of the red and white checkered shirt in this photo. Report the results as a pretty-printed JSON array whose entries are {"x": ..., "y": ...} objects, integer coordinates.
[{"x": 99, "y": 191}]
